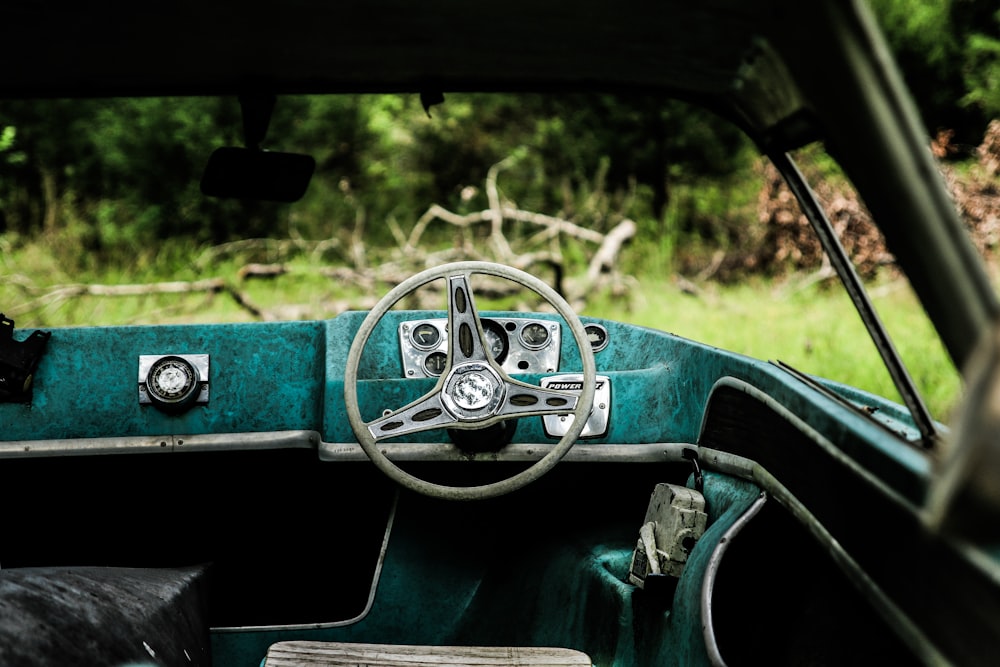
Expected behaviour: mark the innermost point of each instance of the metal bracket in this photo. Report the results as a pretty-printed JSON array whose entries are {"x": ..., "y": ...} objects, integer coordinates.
[
  {"x": 18, "y": 362},
  {"x": 675, "y": 521},
  {"x": 600, "y": 415}
]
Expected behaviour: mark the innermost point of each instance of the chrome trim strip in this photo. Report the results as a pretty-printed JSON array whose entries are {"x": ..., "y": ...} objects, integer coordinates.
[
  {"x": 376, "y": 576},
  {"x": 159, "y": 444},
  {"x": 655, "y": 452},
  {"x": 708, "y": 583}
]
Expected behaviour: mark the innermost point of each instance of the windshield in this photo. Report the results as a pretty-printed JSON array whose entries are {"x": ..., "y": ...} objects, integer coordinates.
[{"x": 636, "y": 208}]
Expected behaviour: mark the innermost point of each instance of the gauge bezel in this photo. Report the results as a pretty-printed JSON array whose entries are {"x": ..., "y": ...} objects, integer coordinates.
[
  {"x": 439, "y": 336},
  {"x": 196, "y": 392},
  {"x": 547, "y": 328},
  {"x": 173, "y": 400},
  {"x": 588, "y": 327},
  {"x": 427, "y": 358},
  {"x": 494, "y": 327}
]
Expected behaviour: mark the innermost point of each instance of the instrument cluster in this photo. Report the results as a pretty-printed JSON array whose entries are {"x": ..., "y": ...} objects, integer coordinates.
[{"x": 518, "y": 345}]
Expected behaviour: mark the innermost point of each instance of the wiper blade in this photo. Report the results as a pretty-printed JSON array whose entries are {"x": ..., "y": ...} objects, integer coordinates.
[
  {"x": 852, "y": 283},
  {"x": 814, "y": 383}
]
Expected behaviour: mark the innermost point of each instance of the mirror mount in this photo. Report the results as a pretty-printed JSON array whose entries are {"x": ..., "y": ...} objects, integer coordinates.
[{"x": 256, "y": 109}]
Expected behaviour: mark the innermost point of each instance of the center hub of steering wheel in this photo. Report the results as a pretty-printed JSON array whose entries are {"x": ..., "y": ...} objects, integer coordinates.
[{"x": 472, "y": 392}]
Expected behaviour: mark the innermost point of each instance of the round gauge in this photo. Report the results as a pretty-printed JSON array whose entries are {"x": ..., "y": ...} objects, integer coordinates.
[
  {"x": 497, "y": 342},
  {"x": 597, "y": 335},
  {"x": 172, "y": 383},
  {"x": 435, "y": 363},
  {"x": 534, "y": 335},
  {"x": 425, "y": 336}
]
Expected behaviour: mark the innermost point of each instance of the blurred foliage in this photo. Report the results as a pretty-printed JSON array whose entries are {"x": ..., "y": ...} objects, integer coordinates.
[
  {"x": 110, "y": 176},
  {"x": 949, "y": 52},
  {"x": 982, "y": 71}
]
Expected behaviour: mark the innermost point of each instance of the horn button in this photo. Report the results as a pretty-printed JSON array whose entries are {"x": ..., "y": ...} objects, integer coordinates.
[{"x": 473, "y": 391}]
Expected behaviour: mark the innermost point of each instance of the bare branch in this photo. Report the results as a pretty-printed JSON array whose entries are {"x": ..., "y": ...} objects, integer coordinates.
[
  {"x": 261, "y": 271},
  {"x": 542, "y": 251},
  {"x": 606, "y": 256}
]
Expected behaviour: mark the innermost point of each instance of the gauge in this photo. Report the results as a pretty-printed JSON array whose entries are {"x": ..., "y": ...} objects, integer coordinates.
[
  {"x": 425, "y": 336},
  {"x": 534, "y": 335},
  {"x": 172, "y": 383},
  {"x": 496, "y": 340},
  {"x": 597, "y": 335},
  {"x": 435, "y": 362}
]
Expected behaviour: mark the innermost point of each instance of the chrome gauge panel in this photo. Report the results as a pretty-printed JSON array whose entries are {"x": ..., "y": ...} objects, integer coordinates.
[
  {"x": 519, "y": 345},
  {"x": 597, "y": 423}
]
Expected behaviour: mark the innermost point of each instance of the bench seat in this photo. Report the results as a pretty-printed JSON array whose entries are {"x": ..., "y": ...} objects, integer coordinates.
[{"x": 335, "y": 654}]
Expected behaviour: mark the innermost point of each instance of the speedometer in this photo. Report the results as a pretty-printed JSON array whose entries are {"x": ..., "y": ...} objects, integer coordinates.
[{"x": 496, "y": 340}]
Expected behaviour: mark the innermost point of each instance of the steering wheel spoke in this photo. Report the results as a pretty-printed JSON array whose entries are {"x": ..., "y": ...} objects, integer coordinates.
[
  {"x": 465, "y": 342},
  {"x": 525, "y": 400},
  {"x": 424, "y": 414}
]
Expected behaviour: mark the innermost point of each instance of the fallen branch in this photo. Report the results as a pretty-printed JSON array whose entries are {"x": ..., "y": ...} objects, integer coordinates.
[
  {"x": 208, "y": 285},
  {"x": 371, "y": 271},
  {"x": 605, "y": 258},
  {"x": 261, "y": 271},
  {"x": 270, "y": 248},
  {"x": 554, "y": 225}
]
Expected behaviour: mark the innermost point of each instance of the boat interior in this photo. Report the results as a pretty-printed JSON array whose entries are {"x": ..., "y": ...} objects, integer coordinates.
[
  {"x": 372, "y": 488},
  {"x": 267, "y": 523}
]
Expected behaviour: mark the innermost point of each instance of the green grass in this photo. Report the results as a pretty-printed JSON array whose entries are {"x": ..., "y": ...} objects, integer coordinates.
[{"x": 813, "y": 327}]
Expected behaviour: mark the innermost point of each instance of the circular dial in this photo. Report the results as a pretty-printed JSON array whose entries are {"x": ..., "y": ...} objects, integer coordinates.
[
  {"x": 534, "y": 335},
  {"x": 425, "y": 336},
  {"x": 497, "y": 343},
  {"x": 435, "y": 362},
  {"x": 597, "y": 335},
  {"x": 172, "y": 383}
]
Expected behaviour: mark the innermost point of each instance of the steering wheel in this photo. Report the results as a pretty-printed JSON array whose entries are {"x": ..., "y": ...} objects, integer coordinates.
[{"x": 473, "y": 391}]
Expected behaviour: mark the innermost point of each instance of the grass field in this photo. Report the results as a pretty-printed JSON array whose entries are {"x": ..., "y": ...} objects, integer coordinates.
[
  {"x": 814, "y": 328},
  {"x": 810, "y": 325}
]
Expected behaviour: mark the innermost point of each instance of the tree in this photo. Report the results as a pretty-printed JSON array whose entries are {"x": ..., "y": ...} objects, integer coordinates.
[{"x": 947, "y": 51}]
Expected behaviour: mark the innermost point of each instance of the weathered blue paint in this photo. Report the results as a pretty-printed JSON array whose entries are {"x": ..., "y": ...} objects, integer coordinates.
[
  {"x": 264, "y": 377},
  {"x": 289, "y": 376}
]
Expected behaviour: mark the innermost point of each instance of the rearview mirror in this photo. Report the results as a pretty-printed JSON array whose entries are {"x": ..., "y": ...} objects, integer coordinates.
[{"x": 245, "y": 173}]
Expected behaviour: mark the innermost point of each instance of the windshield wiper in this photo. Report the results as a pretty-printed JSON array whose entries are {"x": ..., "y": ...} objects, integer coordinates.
[{"x": 852, "y": 283}]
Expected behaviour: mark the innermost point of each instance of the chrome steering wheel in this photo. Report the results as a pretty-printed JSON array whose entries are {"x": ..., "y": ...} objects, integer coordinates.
[{"x": 473, "y": 392}]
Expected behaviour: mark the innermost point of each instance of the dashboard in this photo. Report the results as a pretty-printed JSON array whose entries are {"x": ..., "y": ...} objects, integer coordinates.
[{"x": 249, "y": 380}]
